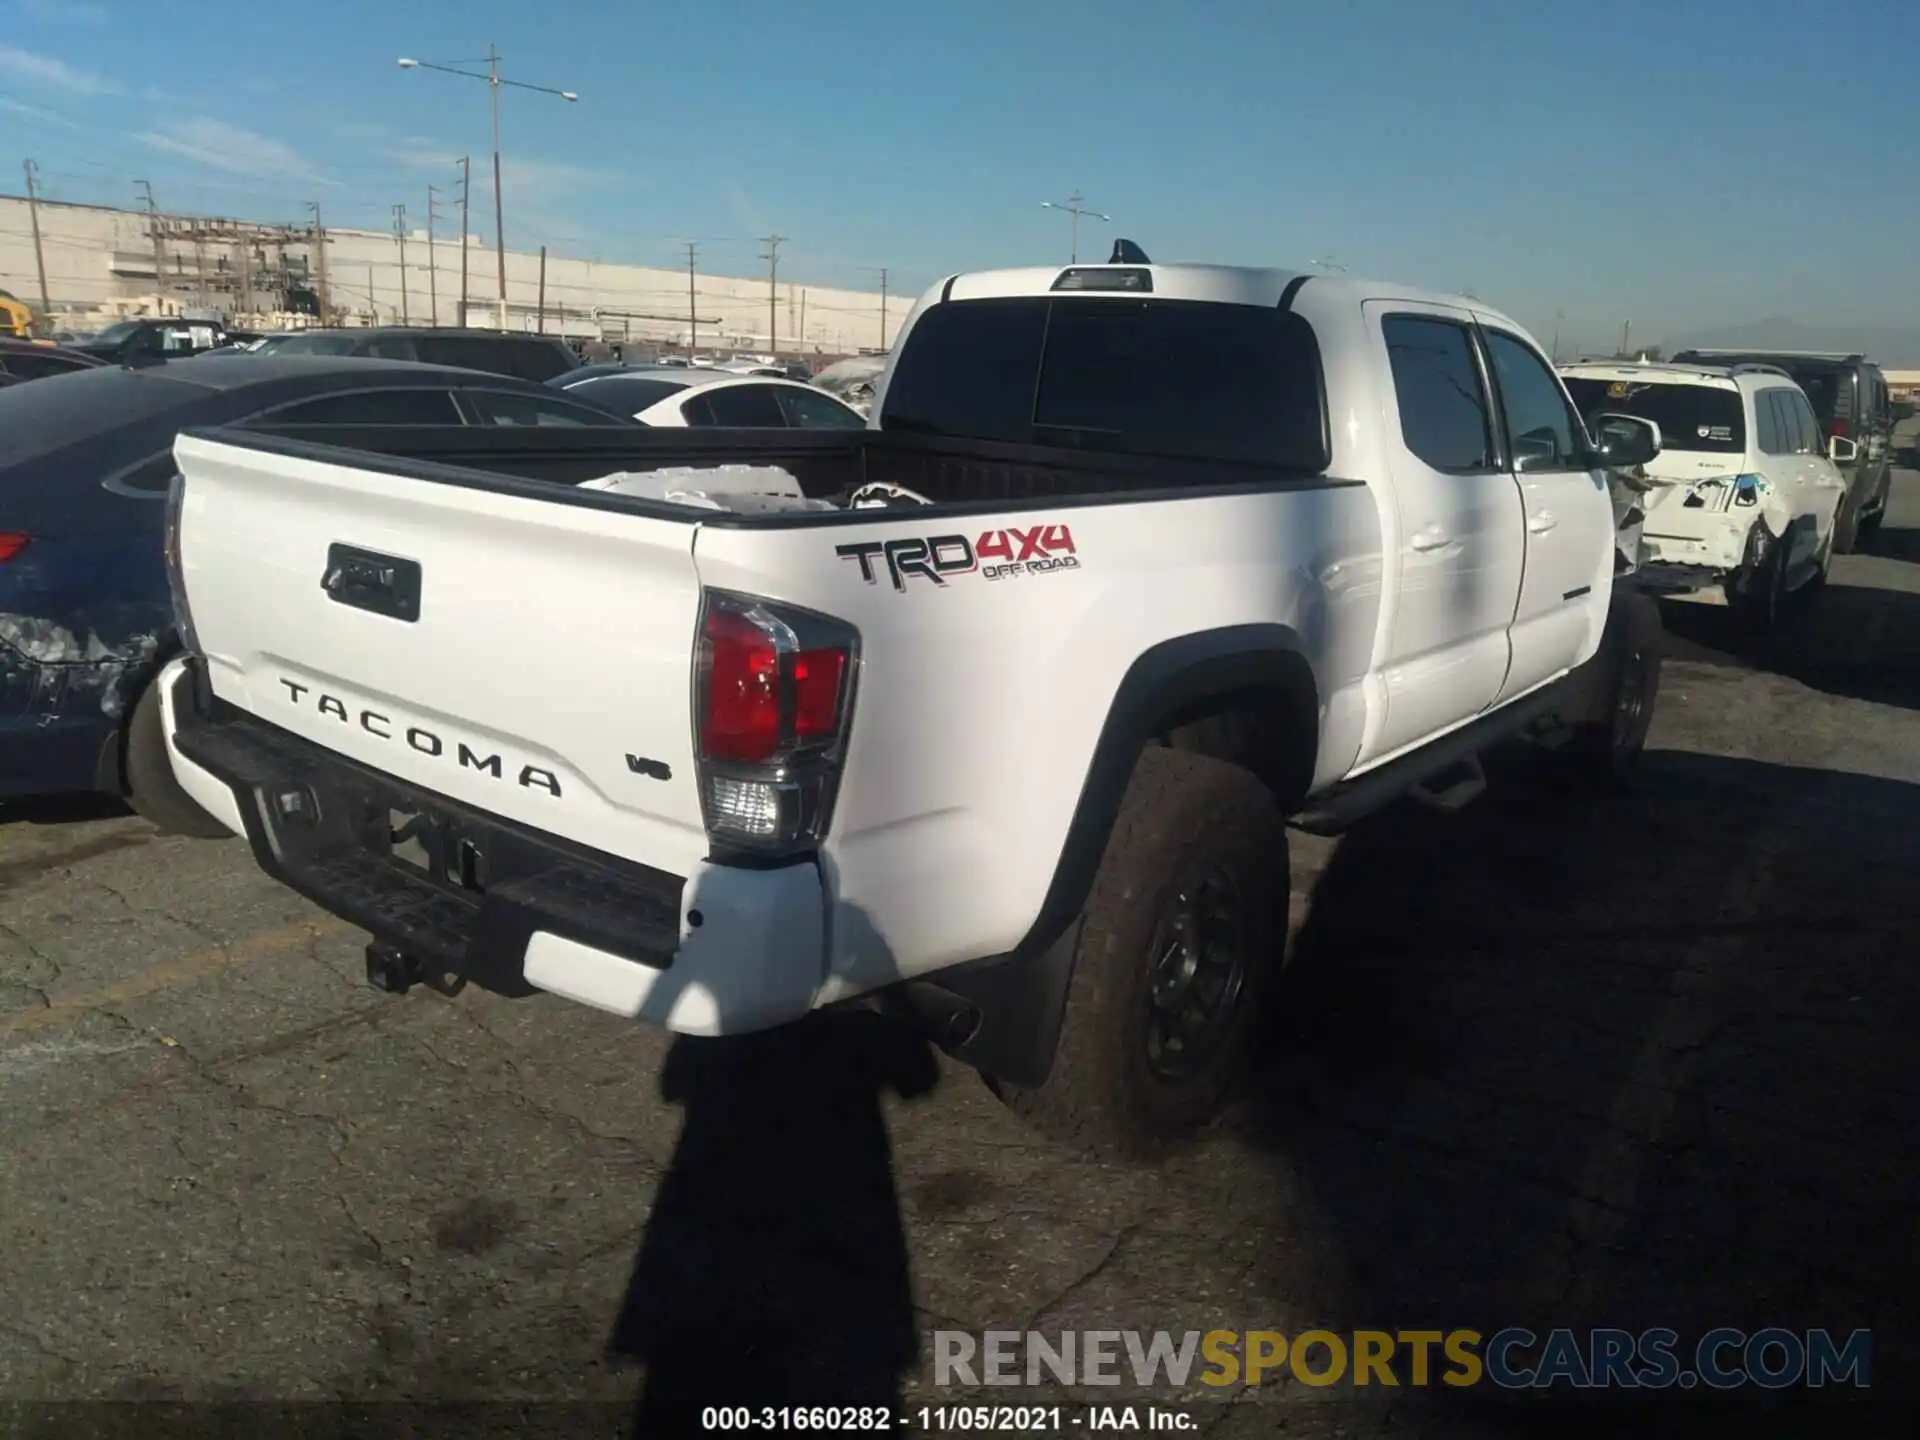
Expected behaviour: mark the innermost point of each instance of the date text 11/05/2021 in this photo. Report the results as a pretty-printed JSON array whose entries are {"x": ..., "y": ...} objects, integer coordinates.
[{"x": 940, "y": 1419}]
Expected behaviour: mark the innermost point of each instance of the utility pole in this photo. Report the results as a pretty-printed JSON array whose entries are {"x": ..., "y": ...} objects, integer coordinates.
[
  {"x": 499, "y": 224},
  {"x": 540, "y": 314},
  {"x": 159, "y": 244},
  {"x": 372, "y": 305},
  {"x": 1626, "y": 329},
  {"x": 693, "y": 313},
  {"x": 800, "y": 339},
  {"x": 772, "y": 257},
  {"x": 883, "y": 309},
  {"x": 466, "y": 185},
  {"x": 433, "y": 262},
  {"x": 39, "y": 256},
  {"x": 320, "y": 251},
  {"x": 1558, "y": 316},
  {"x": 400, "y": 234}
]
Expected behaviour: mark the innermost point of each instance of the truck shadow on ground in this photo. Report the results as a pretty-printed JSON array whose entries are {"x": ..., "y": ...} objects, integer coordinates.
[
  {"x": 773, "y": 1271},
  {"x": 1650, "y": 1063},
  {"x": 1858, "y": 642}
]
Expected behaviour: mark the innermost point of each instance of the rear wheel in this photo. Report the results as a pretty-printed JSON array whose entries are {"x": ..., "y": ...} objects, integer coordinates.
[
  {"x": 1179, "y": 946},
  {"x": 151, "y": 789}
]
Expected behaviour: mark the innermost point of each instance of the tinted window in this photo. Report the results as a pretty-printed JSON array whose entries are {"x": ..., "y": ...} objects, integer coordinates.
[
  {"x": 1443, "y": 407},
  {"x": 1775, "y": 426},
  {"x": 745, "y": 407},
  {"x": 1830, "y": 391},
  {"x": 1542, "y": 432},
  {"x": 1807, "y": 423},
  {"x": 968, "y": 369},
  {"x": 625, "y": 394},
  {"x": 538, "y": 360},
  {"x": 810, "y": 410},
  {"x": 39, "y": 419},
  {"x": 1162, "y": 377},
  {"x": 1690, "y": 417},
  {"x": 503, "y": 407},
  {"x": 392, "y": 347},
  {"x": 370, "y": 407},
  {"x": 37, "y": 367}
]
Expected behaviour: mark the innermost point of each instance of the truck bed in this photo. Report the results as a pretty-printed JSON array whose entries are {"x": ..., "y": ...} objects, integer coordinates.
[{"x": 829, "y": 465}]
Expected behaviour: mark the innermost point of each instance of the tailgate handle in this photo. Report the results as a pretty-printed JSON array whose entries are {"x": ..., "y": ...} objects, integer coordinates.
[{"x": 367, "y": 580}]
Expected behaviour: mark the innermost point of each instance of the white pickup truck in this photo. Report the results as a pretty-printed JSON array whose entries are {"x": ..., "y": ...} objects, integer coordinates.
[{"x": 1186, "y": 553}]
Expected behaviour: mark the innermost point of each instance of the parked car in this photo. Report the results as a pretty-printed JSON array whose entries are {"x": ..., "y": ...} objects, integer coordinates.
[
  {"x": 85, "y": 461},
  {"x": 1747, "y": 486},
  {"x": 672, "y": 396},
  {"x": 529, "y": 357},
  {"x": 36, "y": 360},
  {"x": 132, "y": 342},
  {"x": 1850, "y": 399},
  {"x": 853, "y": 381},
  {"x": 1011, "y": 754}
]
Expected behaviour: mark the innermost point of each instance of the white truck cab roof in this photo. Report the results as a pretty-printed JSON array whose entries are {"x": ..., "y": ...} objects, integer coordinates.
[{"x": 1219, "y": 284}]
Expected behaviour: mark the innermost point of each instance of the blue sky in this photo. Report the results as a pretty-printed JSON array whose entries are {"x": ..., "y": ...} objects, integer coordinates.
[{"x": 1698, "y": 163}]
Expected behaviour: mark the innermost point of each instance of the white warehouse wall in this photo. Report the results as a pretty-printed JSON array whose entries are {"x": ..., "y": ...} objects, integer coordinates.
[{"x": 100, "y": 263}]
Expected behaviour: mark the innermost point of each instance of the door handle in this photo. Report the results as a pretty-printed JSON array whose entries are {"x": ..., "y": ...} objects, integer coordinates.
[
  {"x": 1432, "y": 537},
  {"x": 1543, "y": 522}
]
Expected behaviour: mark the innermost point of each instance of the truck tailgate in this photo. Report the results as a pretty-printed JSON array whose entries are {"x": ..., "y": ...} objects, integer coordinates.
[{"x": 523, "y": 657}]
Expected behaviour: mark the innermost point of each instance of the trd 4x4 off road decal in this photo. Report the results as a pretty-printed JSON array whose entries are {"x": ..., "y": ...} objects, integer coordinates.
[{"x": 995, "y": 554}]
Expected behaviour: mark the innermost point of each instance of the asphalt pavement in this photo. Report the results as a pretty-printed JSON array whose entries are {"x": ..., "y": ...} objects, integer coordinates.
[{"x": 1649, "y": 1062}]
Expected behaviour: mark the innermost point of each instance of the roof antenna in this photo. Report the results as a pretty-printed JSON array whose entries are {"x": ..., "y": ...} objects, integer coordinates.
[{"x": 1125, "y": 252}]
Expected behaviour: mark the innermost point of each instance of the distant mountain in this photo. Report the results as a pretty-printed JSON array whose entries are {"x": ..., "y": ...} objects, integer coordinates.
[{"x": 1897, "y": 347}]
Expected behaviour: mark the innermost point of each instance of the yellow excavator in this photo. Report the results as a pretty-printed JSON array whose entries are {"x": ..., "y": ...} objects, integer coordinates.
[{"x": 17, "y": 318}]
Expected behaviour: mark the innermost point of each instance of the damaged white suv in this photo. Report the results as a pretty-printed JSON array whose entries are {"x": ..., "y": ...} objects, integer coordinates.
[{"x": 1741, "y": 499}]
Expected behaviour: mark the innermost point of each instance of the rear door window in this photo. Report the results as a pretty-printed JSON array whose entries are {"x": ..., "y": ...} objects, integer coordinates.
[
  {"x": 463, "y": 352},
  {"x": 1702, "y": 418},
  {"x": 1774, "y": 427},
  {"x": 369, "y": 407},
  {"x": 741, "y": 407},
  {"x": 537, "y": 360},
  {"x": 810, "y": 410},
  {"x": 1119, "y": 375},
  {"x": 1437, "y": 387},
  {"x": 1806, "y": 423}
]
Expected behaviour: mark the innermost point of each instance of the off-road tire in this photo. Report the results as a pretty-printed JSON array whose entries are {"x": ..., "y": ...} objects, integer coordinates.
[
  {"x": 151, "y": 789},
  {"x": 1183, "y": 815},
  {"x": 1616, "y": 696}
]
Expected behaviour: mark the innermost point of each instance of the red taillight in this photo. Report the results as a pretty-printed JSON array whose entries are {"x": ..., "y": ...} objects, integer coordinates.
[
  {"x": 741, "y": 719},
  {"x": 817, "y": 677},
  {"x": 1837, "y": 430},
  {"x": 773, "y": 691},
  {"x": 12, "y": 542}
]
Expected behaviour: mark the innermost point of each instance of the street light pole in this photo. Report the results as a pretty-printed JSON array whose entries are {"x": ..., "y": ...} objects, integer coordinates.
[
  {"x": 494, "y": 82},
  {"x": 1075, "y": 205}
]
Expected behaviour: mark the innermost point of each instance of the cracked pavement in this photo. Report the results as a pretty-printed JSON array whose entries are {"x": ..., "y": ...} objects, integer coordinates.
[{"x": 1646, "y": 1063}]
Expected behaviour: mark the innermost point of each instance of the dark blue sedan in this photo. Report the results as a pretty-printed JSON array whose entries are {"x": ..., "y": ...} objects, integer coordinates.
[{"x": 86, "y": 461}]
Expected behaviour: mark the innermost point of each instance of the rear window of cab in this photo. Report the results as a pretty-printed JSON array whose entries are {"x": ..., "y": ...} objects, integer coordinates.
[{"x": 1691, "y": 417}]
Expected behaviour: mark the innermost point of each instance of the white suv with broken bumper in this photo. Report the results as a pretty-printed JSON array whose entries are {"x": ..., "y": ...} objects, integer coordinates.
[{"x": 1741, "y": 500}]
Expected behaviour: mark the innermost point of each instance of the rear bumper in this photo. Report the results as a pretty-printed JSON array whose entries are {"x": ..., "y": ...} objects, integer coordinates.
[{"x": 725, "y": 950}]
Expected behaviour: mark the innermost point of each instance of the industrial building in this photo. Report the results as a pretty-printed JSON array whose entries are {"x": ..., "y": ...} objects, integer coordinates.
[{"x": 102, "y": 265}]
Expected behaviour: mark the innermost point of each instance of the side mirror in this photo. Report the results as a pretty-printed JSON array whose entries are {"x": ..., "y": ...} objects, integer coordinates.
[
  {"x": 1842, "y": 451},
  {"x": 1624, "y": 441}
]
